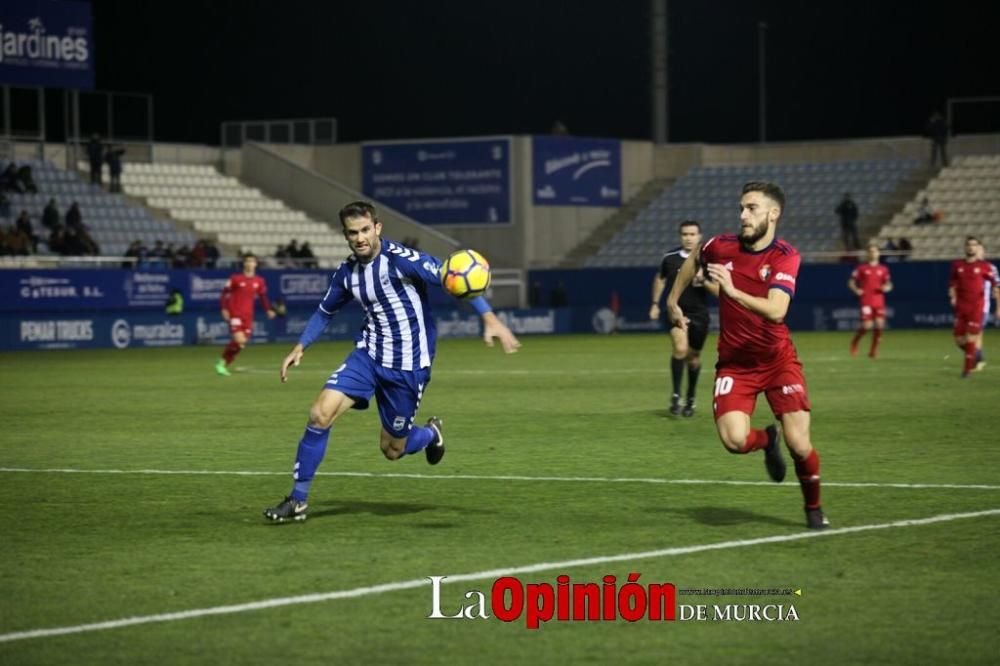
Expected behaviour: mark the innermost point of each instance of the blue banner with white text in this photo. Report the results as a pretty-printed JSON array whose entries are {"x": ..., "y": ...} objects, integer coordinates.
[
  {"x": 46, "y": 43},
  {"x": 569, "y": 171},
  {"x": 461, "y": 181}
]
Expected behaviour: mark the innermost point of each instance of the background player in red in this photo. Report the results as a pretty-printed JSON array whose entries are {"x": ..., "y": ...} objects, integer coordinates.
[
  {"x": 237, "y": 308},
  {"x": 966, "y": 291},
  {"x": 756, "y": 274},
  {"x": 870, "y": 282}
]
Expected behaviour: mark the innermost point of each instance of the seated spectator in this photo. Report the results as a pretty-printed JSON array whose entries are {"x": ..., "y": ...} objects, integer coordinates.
[
  {"x": 158, "y": 253},
  {"x": 79, "y": 243},
  {"x": 137, "y": 251},
  {"x": 890, "y": 251},
  {"x": 26, "y": 180},
  {"x": 57, "y": 240},
  {"x": 292, "y": 250},
  {"x": 211, "y": 254},
  {"x": 4, "y": 205},
  {"x": 8, "y": 179},
  {"x": 50, "y": 216},
  {"x": 906, "y": 248},
  {"x": 307, "y": 256},
  {"x": 24, "y": 226},
  {"x": 182, "y": 257},
  {"x": 926, "y": 213},
  {"x": 74, "y": 219},
  {"x": 197, "y": 258}
]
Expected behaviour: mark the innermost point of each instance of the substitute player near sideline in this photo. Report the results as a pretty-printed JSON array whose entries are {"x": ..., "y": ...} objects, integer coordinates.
[
  {"x": 687, "y": 344},
  {"x": 870, "y": 282},
  {"x": 756, "y": 274},
  {"x": 393, "y": 355},
  {"x": 236, "y": 302},
  {"x": 966, "y": 288}
]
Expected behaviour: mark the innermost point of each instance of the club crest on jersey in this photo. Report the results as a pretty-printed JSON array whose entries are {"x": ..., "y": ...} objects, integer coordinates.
[{"x": 765, "y": 272}]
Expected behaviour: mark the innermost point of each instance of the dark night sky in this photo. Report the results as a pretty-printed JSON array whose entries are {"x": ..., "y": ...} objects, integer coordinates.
[{"x": 455, "y": 68}]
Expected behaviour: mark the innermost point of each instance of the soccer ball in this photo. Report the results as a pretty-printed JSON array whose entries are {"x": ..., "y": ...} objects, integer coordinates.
[{"x": 465, "y": 274}]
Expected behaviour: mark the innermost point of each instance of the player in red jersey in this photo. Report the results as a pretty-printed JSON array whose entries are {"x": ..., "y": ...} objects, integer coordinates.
[
  {"x": 756, "y": 274},
  {"x": 237, "y": 308},
  {"x": 870, "y": 282},
  {"x": 988, "y": 293},
  {"x": 966, "y": 291}
]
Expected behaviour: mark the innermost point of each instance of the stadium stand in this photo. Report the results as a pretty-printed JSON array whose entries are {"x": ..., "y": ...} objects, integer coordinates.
[
  {"x": 238, "y": 215},
  {"x": 113, "y": 221},
  {"x": 965, "y": 198},
  {"x": 706, "y": 194}
]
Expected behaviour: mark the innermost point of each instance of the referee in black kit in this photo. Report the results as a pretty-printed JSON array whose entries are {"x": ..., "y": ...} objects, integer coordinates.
[{"x": 694, "y": 303}]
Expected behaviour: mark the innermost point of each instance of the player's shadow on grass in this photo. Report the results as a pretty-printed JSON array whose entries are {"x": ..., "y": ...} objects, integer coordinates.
[{"x": 723, "y": 517}]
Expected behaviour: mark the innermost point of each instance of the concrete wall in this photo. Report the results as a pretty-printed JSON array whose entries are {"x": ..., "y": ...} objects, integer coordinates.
[{"x": 321, "y": 198}]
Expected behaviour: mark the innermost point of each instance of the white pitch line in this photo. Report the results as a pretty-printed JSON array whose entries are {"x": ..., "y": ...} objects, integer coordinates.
[
  {"x": 503, "y": 477},
  {"x": 476, "y": 576}
]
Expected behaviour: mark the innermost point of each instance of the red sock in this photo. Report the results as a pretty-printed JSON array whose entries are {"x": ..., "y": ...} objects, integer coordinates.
[
  {"x": 857, "y": 338},
  {"x": 808, "y": 472},
  {"x": 232, "y": 349},
  {"x": 876, "y": 336},
  {"x": 970, "y": 357},
  {"x": 757, "y": 439}
]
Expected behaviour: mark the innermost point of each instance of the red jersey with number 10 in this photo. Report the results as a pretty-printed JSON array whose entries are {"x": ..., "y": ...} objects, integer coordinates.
[
  {"x": 968, "y": 279},
  {"x": 748, "y": 339},
  {"x": 239, "y": 293},
  {"x": 870, "y": 280}
]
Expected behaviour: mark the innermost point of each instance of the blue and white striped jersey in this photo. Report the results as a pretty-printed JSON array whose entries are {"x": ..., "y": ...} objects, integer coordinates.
[{"x": 398, "y": 330}]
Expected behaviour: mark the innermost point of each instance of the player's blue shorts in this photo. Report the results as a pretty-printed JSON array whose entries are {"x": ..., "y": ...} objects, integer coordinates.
[{"x": 397, "y": 392}]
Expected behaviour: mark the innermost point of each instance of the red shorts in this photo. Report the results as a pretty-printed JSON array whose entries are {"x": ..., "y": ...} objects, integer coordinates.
[
  {"x": 870, "y": 312},
  {"x": 968, "y": 322},
  {"x": 783, "y": 384},
  {"x": 238, "y": 325}
]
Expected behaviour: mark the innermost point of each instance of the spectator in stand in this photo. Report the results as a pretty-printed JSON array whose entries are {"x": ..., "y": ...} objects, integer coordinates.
[
  {"x": 906, "y": 248},
  {"x": 307, "y": 256},
  {"x": 74, "y": 218},
  {"x": 114, "y": 159},
  {"x": 50, "y": 215},
  {"x": 4, "y": 205},
  {"x": 79, "y": 243},
  {"x": 292, "y": 250},
  {"x": 57, "y": 240},
  {"x": 926, "y": 213},
  {"x": 157, "y": 255},
  {"x": 24, "y": 227},
  {"x": 136, "y": 251},
  {"x": 8, "y": 180},
  {"x": 889, "y": 248},
  {"x": 847, "y": 210},
  {"x": 26, "y": 180},
  {"x": 280, "y": 254},
  {"x": 182, "y": 257},
  {"x": 937, "y": 132},
  {"x": 211, "y": 254},
  {"x": 197, "y": 258},
  {"x": 95, "y": 155},
  {"x": 16, "y": 243}
]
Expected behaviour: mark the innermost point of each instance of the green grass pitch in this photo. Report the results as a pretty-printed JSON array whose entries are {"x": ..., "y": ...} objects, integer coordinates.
[{"x": 901, "y": 439}]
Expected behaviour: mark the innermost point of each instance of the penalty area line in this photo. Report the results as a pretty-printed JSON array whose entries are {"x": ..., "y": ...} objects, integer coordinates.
[
  {"x": 488, "y": 574},
  {"x": 501, "y": 477}
]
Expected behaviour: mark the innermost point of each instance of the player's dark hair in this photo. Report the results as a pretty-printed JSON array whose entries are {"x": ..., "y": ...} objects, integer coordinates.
[
  {"x": 358, "y": 209},
  {"x": 973, "y": 238},
  {"x": 247, "y": 255},
  {"x": 689, "y": 223},
  {"x": 770, "y": 190}
]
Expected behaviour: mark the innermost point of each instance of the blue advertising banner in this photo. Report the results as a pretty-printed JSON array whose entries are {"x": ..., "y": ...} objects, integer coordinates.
[
  {"x": 568, "y": 171},
  {"x": 130, "y": 329},
  {"x": 46, "y": 43},
  {"x": 461, "y": 181}
]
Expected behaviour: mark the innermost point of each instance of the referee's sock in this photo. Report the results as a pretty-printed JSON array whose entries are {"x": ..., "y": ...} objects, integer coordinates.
[
  {"x": 693, "y": 372},
  {"x": 677, "y": 373}
]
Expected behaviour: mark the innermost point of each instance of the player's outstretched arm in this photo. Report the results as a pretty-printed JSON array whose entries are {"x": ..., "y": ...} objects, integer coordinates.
[
  {"x": 494, "y": 328},
  {"x": 294, "y": 358}
]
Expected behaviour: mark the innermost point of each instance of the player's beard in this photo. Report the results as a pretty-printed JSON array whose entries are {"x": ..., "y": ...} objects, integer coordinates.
[{"x": 759, "y": 231}]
